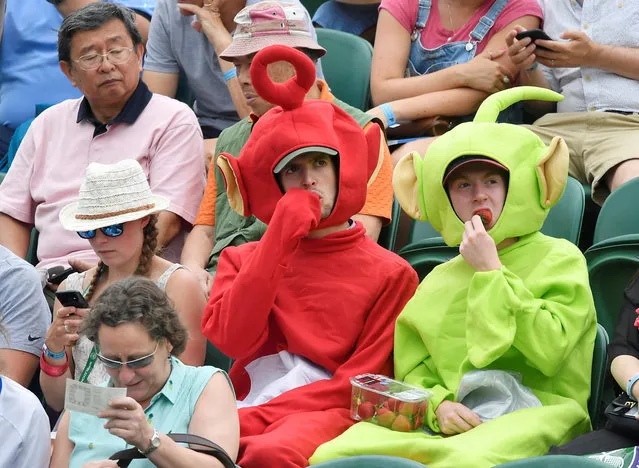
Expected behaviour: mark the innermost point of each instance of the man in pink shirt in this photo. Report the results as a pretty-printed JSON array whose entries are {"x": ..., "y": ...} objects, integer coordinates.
[{"x": 101, "y": 53}]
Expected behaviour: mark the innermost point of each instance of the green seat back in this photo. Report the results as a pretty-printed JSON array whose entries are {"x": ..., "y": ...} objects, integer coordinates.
[
  {"x": 388, "y": 234},
  {"x": 2, "y": 175},
  {"x": 554, "y": 461},
  {"x": 371, "y": 461},
  {"x": 611, "y": 265},
  {"x": 565, "y": 218},
  {"x": 32, "y": 253},
  {"x": 618, "y": 215},
  {"x": 426, "y": 254},
  {"x": 214, "y": 357},
  {"x": 347, "y": 66},
  {"x": 598, "y": 375}
]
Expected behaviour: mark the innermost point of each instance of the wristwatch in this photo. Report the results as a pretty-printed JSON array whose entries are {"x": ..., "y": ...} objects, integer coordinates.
[{"x": 154, "y": 443}]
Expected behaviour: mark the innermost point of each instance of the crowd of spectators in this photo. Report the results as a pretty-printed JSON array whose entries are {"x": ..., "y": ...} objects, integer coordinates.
[{"x": 136, "y": 134}]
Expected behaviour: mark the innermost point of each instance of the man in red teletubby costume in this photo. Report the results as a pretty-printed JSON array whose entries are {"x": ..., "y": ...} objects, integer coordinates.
[{"x": 314, "y": 302}]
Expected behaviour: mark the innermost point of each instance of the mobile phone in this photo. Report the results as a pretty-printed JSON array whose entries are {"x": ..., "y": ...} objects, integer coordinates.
[
  {"x": 58, "y": 274},
  {"x": 534, "y": 34},
  {"x": 71, "y": 298}
]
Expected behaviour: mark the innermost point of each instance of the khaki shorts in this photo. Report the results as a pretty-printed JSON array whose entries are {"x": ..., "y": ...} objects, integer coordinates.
[{"x": 598, "y": 141}]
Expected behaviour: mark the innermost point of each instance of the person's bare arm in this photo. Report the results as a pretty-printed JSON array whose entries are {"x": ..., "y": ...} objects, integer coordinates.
[
  {"x": 19, "y": 366},
  {"x": 581, "y": 51},
  {"x": 209, "y": 22},
  {"x": 465, "y": 99},
  {"x": 165, "y": 84},
  {"x": 62, "y": 447},
  {"x": 169, "y": 225},
  {"x": 195, "y": 254},
  {"x": 623, "y": 368},
  {"x": 372, "y": 224},
  {"x": 15, "y": 235}
]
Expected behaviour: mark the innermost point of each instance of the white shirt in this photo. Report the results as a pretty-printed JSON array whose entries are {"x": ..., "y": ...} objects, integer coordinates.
[
  {"x": 24, "y": 428},
  {"x": 608, "y": 22}
]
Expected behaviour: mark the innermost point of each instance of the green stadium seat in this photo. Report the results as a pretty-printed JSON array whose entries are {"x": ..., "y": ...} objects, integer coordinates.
[
  {"x": 347, "y": 66},
  {"x": 388, "y": 234},
  {"x": 371, "y": 461},
  {"x": 214, "y": 357},
  {"x": 2, "y": 175},
  {"x": 554, "y": 461},
  {"x": 32, "y": 253},
  {"x": 598, "y": 376},
  {"x": 619, "y": 215},
  {"x": 565, "y": 218},
  {"x": 611, "y": 265}
]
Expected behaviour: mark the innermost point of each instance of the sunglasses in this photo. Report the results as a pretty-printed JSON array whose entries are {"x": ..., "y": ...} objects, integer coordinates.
[
  {"x": 134, "y": 364},
  {"x": 114, "y": 230}
]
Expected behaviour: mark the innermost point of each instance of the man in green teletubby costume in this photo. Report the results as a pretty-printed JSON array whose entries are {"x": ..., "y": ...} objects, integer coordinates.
[{"x": 513, "y": 300}]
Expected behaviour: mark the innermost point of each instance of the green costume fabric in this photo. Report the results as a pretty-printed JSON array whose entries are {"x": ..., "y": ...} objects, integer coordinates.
[
  {"x": 534, "y": 316},
  {"x": 230, "y": 227}
]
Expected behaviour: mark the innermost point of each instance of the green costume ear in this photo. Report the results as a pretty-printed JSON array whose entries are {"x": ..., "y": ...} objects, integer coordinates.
[
  {"x": 407, "y": 184},
  {"x": 495, "y": 103},
  {"x": 552, "y": 172}
]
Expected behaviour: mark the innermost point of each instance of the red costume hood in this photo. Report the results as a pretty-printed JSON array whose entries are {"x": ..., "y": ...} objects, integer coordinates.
[{"x": 251, "y": 185}]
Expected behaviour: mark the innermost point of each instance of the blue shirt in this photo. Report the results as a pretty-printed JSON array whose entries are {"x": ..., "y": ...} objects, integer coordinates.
[
  {"x": 29, "y": 70},
  {"x": 170, "y": 410}
]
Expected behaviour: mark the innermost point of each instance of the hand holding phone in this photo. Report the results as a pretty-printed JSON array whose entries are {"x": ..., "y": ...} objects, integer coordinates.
[
  {"x": 534, "y": 35},
  {"x": 71, "y": 298}
]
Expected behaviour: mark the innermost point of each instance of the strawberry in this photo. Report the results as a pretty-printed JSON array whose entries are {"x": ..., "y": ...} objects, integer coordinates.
[
  {"x": 385, "y": 417},
  {"x": 485, "y": 215},
  {"x": 418, "y": 422},
  {"x": 366, "y": 411},
  {"x": 392, "y": 404},
  {"x": 401, "y": 424},
  {"x": 408, "y": 409}
]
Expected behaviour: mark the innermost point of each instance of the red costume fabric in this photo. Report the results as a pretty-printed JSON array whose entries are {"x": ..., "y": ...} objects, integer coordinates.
[{"x": 331, "y": 300}]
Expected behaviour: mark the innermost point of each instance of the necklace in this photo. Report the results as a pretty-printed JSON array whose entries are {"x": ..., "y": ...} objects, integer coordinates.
[{"x": 450, "y": 18}]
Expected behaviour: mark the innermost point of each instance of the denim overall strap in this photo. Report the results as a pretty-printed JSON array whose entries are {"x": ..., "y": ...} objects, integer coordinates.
[
  {"x": 488, "y": 20},
  {"x": 422, "y": 16}
]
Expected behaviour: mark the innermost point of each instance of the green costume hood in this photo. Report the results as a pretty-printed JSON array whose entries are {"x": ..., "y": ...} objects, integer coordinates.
[{"x": 537, "y": 173}]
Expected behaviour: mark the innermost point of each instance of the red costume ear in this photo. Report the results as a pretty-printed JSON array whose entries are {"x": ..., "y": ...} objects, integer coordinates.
[
  {"x": 235, "y": 190},
  {"x": 289, "y": 95},
  {"x": 375, "y": 142}
]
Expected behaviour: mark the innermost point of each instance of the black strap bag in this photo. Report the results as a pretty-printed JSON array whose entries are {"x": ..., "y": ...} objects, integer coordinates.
[
  {"x": 618, "y": 419},
  {"x": 125, "y": 457}
]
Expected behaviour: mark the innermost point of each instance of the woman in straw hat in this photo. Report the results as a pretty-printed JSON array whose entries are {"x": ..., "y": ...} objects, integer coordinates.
[{"x": 117, "y": 213}]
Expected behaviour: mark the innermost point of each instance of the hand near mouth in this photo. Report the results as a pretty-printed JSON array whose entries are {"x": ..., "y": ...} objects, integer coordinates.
[
  {"x": 485, "y": 215},
  {"x": 477, "y": 247}
]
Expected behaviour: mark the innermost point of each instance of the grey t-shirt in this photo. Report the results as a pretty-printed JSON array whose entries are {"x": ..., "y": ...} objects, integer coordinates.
[
  {"x": 25, "y": 314},
  {"x": 174, "y": 47}
]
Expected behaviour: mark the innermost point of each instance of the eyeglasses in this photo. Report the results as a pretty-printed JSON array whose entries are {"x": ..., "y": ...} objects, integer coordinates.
[
  {"x": 134, "y": 364},
  {"x": 116, "y": 56},
  {"x": 114, "y": 230}
]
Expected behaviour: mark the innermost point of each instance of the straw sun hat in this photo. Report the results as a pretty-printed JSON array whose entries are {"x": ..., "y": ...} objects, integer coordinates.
[{"x": 111, "y": 194}]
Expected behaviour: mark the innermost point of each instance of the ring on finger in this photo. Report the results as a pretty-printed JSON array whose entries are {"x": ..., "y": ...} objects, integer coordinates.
[
  {"x": 66, "y": 328},
  {"x": 552, "y": 63},
  {"x": 506, "y": 80}
]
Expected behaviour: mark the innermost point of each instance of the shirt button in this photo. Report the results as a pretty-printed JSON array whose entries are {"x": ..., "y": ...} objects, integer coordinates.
[
  {"x": 585, "y": 26},
  {"x": 620, "y": 4},
  {"x": 588, "y": 79},
  {"x": 91, "y": 445}
]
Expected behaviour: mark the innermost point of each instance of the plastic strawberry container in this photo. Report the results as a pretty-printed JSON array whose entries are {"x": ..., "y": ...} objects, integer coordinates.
[{"x": 388, "y": 402}]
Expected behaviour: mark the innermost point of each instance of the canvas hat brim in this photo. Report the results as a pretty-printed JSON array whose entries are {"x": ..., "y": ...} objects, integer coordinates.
[
  {"x": 71, "y": 223},
  {"x": 243, "y": 46}
]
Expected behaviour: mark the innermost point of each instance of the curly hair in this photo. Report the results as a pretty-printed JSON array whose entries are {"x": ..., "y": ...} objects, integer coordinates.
[
  {"x": 137, "y": 300},
  {"x": 149, "y": 249}
]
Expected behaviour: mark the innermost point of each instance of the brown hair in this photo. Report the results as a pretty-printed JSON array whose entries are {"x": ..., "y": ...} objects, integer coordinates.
[
  {"x": 137, "y": 300},
  {"x": 149, "y": 247}
]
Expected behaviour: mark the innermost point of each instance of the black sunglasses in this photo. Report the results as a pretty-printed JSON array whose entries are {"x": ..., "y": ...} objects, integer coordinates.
[
  {"x": 138, "y": 363},
  {"x": 114, "y": 230}
]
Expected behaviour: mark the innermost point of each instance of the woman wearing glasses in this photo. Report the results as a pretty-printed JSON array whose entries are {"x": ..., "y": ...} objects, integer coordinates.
[
  {"x": 137, "y": 333},
  {"x": 115, "y": 212}
]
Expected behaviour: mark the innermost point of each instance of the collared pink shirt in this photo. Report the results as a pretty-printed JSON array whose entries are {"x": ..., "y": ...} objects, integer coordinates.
[{"x": 50, "y": 165}]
